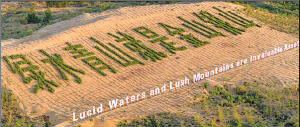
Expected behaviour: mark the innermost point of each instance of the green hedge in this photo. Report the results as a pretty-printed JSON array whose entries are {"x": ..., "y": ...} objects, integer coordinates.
[
  {"x": 218, "y": 22},
  {"x": 99, "y": 62},
  {"x": 191, "y": 39},
  {"x": 243, "y": 23},
  {"x": 60, "y": 66},
  {"x": 211, "y": 35},
  {"x": 118, "y": 38},
  {"x": 169, "y": 46},
  {"x": 75, "y": 48},
  {"x": 135, "y": 61},
  {"x": 172, "y": 33},
  {"x": 147, "y": 31},
  {"x": 79, "y": 51},
  {"x": 39, "y": 76},
  {"x": 135, "y": 46}
]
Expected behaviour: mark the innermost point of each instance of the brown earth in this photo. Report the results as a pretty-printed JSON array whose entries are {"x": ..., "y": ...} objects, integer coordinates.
[{"x": 73, "y": 97}]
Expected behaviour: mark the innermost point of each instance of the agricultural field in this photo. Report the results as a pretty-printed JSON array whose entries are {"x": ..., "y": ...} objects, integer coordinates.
[{"x": 65, "y": 68}]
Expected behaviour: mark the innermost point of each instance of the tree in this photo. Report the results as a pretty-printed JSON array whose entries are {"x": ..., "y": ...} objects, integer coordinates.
[
  {"x": 48, "y": 16},
  {"x": 241, "y": 89},
  {"x": 205, "y": 85},
  {"x": 31, "y": 17},
  {"x": 236, "y": 117},
  {"x": 220, "y": 113},
  {"x": 212, "y": 122}
]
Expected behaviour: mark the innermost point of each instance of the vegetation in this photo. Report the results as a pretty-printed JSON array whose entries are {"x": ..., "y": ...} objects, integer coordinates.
[
  {"x": 81, "y": 53},
  {"x": 218, "y": 22},
  {"x": 48, "y": 16},
  {"x": 279, "y": 15},
  {"x": 169, "y": 46},
  {"x": 209, "y": 35},
  {"x": 11, "y": 116},
  {"x": 135, "y": 46},
  {"x": 237, "y": 19},
  {"x": 59, "y": 64},
  {"x": 39, "y": 76},
  {"x": 31, "y": 17},
  {"x": 135, "y": 61},
  {"x": 189, "y": 38},
  {"x": 14, "y": 22},
  {"x": 253, "y": 107}
]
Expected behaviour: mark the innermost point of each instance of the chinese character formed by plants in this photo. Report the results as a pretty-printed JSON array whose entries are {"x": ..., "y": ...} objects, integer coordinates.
[
  {"x": 144, "y": 31},
  {"x": 82, "y": 53},
  {"x": 169, "y": 46},
  {"x": 136, "y": 46},
  {"x": 237, "y": 19},
  {"x": 194, "y": 27},
  {"x": 39, "y": 76},
  {"x": 135, "y": 61},
  {"x": 189, "y": 38},
  {"x": 59, "y": 64},
  {"x": 209, "y": 18}
]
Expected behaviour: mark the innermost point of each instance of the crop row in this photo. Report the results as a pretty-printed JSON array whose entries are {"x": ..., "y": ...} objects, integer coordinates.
[
  {"x": 147, "y": 31},
  {"x": 209, "y": 36}
]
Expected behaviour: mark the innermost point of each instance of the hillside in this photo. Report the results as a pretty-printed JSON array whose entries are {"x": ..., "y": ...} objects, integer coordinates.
[{"x": 82, "y": 91}]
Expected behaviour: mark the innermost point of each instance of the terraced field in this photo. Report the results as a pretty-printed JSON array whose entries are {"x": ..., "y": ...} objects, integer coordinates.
[{"x": 96, "y": 88}]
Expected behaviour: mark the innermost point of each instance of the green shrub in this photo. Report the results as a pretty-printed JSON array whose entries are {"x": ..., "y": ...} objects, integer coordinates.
[
  {"x": 241, "y": 89},
  {"x": 172, "y": 33},
  {"x": 169, "y": 46},
  {"x": 218, "y": 22},
  {"x": 31, "y": 17},
  {"x": 23, "y": 21},
  {"x": 205, "y": 85},
  {"x": 39, "y": 76},
  {"x": 135, "y": 61},
  {"x": 136, "y": 46},
  {"x": 209, "y": 35},
  {"x": 60, "y": 65},
  {"x": 147, "y": 31}
]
